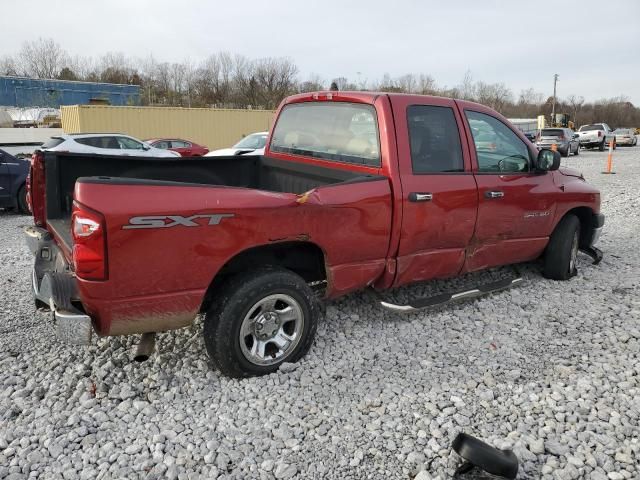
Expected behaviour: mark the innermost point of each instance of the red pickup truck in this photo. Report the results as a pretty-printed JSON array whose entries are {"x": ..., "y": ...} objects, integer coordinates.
[{"x": 354, "y": 190}]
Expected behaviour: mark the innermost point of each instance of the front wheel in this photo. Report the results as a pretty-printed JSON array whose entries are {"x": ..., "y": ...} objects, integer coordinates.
[
  {"x": 260, "y": 320},
  {"x": 561, "y": 255}
]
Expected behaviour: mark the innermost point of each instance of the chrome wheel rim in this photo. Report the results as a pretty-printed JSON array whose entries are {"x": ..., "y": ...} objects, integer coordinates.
[
  {"x": 271, "y": 329},
  {"x": 574, "y": 253}
]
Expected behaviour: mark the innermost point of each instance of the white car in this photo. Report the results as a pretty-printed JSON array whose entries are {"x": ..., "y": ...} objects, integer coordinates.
[
  {"x": 252, "y": 144},
  {"x": 626, "y": 136},
  {"x": 104, "y": 144}
]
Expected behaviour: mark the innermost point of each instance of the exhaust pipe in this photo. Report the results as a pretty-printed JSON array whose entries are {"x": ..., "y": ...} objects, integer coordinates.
[{"x": 145, "y": 347}]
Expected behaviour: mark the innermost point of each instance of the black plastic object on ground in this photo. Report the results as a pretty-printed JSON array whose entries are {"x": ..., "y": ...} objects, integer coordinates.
[{"x": 503, "y": 463}]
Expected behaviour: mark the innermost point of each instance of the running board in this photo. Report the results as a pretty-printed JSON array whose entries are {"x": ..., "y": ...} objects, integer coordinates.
[
  {"x": 594, "y": 253},
  {"x": 445, "y": 298}
]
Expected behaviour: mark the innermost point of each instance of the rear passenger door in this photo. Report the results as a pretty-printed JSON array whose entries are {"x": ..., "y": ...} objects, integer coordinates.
[
  {"x": 440, "y": 197},
  {"x": 516, "y": 204}
]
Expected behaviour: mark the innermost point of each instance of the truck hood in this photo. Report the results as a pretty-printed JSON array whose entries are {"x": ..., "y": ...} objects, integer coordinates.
[{"x": 571, "y": 172}]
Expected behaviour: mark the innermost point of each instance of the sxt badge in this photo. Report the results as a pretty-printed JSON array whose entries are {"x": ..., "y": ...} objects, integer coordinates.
[{"x": 166, "y": 221}]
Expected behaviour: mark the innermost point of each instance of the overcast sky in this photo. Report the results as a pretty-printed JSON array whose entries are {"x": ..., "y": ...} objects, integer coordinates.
[{"x": 520, "y": 43}]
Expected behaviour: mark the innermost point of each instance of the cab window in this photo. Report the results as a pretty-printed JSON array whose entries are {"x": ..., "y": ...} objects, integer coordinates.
[
  {"x": 336, "y": 131},
  {"x": 498, "y": 148}
]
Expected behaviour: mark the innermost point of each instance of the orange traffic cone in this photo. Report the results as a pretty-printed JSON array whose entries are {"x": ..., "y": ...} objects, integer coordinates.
[{"x": 610, "y": 160}]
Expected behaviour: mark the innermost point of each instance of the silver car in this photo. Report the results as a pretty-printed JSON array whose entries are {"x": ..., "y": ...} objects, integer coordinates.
[
  {"x": 104, "y": 144},
  {"x": 625, "y": 136},
  {"x": 565, "y": 140}
]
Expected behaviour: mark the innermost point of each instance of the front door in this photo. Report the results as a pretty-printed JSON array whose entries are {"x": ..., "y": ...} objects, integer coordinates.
[
  {"x": 516, "y": 205},
  {"x": 440, "y": 197}
]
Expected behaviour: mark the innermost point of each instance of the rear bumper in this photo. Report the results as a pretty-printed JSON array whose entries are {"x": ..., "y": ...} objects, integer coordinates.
[
  {"x": 590, "y": 142},
  {"x": 55, "y": 286},
  {"x": 625, "y": 141}
]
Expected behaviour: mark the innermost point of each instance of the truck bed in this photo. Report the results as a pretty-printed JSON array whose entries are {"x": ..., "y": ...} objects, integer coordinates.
[{"x": 257, "y": 172}]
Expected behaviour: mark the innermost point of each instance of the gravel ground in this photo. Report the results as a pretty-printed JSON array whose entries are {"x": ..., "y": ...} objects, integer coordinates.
[{"x": 550, "y": 369}]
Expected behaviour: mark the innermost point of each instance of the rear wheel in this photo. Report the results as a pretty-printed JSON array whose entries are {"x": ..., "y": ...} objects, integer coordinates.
[
  {"x": 615, "y": 145},
  {"x": 23, "y": 207},
  {"x": 601, "y": 146},
  {"x": 562, "y": 251},
  {"x": 577, "y": 152},
  {"x": 259, "y": 320}
]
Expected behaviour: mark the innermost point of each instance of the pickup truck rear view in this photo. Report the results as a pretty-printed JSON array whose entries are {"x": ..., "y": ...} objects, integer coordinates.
[
  {"x": 355, "y": 190},
  {"x": 596, "y": 135}
]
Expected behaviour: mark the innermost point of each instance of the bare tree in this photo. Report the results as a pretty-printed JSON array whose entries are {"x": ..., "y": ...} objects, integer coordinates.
[
  {"x": 575, "y": 102},
  {"x": 8, "y": 66},
  {"x": 42, "y": 58},
  {"x": 467, "y": 89}
]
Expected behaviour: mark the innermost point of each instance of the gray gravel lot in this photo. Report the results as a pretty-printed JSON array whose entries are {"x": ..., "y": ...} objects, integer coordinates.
[{"x": 550, "y": 369}]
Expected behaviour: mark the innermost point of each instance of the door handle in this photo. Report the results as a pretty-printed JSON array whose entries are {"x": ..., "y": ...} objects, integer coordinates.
[
  {"x": 420, "y": 197},
  {"x": 494, "y": 194}
]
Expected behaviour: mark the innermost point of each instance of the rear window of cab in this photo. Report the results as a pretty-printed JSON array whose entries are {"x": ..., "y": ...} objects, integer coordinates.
[{"x": 336, "y": 131}]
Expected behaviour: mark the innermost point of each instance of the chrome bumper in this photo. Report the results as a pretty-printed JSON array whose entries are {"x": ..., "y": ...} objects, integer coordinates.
[{"x": 54, "y": 286}]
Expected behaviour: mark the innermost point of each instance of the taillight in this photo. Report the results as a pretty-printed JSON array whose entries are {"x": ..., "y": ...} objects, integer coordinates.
[
  {"x": 561, "y": 137},
  {"x": 36, "y": 188},
  {"x": 599, "y": 133},
  {"x": 89, "y": 243}
]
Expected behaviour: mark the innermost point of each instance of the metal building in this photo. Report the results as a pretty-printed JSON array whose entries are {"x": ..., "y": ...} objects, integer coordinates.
[
  {"x": 212, "y": 127},
  {"x": 32, "y": 92}
]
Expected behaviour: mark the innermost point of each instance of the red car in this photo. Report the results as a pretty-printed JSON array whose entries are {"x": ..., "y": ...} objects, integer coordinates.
[
  {"x": 183, "y": 147},
  {"x": 355, "y": 190}
]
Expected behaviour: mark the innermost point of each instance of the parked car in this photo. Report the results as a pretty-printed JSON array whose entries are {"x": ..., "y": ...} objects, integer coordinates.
[
  {"x": 184, "y": 147},
  {"x": 564, "y": 139},
  {"x": 596, "y": 135},
  {"x": 326, "y": 211},
  {"x": 252, "y": 144},
  {"x": 625, "y": 136},
  {"x": 104, "y": 144},
  {"x": 13, "y": 175}
]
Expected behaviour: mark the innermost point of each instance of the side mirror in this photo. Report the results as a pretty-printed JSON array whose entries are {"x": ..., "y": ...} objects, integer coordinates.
[
  {"x": 575, "y": 135},
  {"x": 547, "y": 160},
  {"x": 145, "y": 147}
]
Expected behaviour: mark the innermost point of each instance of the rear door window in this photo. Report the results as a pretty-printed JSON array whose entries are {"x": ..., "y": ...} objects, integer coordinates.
[
  {"x": 52, "y": 142},
  {"x": 434, "y": 140},
  {"x": 337, "y": 131}
]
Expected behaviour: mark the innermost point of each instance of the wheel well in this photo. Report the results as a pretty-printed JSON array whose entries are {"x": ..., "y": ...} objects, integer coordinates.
[
  {"x": 304, "y": 258},
  {"x": 585, "y": 215}
]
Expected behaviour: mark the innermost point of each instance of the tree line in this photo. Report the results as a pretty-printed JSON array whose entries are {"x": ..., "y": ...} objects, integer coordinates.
[{"x": 225, "y": 80}]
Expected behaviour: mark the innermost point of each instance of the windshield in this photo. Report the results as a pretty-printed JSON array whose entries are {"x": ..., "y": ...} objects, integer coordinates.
[
  {"x": 253, "y": 141},
  {"x": 584, "y": 128},
  {"x": 551, "y": 132}
]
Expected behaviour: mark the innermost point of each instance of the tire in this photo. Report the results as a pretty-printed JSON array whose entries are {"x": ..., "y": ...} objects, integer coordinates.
[
  {"x": 577, "y": 152},
  {"x": 23, "y": 207},
  {"x": 567, "y": 152},
  {"x": 615, "y": 145},
  {"x": 601, "y": 145},
  {"x": 562, "y": 250},
  {"x": 231, "y": 326}
]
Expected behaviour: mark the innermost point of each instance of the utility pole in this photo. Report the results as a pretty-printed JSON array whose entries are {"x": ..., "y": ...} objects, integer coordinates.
[{"x": 553, "y": 105}]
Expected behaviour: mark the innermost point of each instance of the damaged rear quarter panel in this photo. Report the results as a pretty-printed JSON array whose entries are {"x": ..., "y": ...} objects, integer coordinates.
[{"x": 350, "y": 222}]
